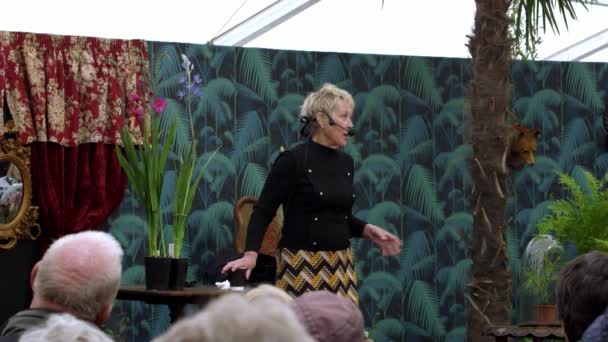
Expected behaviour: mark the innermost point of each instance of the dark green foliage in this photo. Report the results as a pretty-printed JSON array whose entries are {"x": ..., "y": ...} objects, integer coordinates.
[
  {"x": 581, "y": 218},
  {"x": 412, "y": 161}
]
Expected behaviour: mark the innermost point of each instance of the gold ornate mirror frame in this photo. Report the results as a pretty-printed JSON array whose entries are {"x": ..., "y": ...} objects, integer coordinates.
[{"x": 23, "y": 224}]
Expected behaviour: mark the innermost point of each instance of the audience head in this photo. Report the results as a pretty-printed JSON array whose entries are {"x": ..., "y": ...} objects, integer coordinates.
[
  {"x": 268, "y": 291},
  {"x": 79, "y": 274},
  {"x": 329, "y": 317},
  {"x": 582, "y": 292},
  {"x": 65, "y": 327},
  {"x": 232, "y": 318}
]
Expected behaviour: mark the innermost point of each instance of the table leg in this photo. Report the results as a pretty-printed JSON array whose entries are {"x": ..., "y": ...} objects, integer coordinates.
[{"x": 176, "y": 309}]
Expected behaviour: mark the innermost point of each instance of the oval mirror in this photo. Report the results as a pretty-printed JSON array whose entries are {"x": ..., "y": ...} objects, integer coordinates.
[
  {"x": 17, "y": 215},
  {"x": 11, "y": 191}
]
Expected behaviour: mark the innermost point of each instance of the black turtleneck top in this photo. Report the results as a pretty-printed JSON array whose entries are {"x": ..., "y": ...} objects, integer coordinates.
[{"x": 314, "y": 183}]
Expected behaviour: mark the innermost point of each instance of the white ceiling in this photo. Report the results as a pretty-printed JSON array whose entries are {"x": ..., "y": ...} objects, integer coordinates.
[{"x": 400, "y": 27}]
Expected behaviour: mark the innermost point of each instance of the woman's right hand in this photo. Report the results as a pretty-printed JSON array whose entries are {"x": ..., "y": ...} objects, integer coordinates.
[{"x": 246, "y": 262}]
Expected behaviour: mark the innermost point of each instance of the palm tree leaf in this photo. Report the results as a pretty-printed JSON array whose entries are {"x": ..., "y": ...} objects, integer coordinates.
[
  {"x": 513, "y": 253},
  {"x": 160, "y": 319},
  {"x": 167, "y": 194},
  {"x": 530, "y": 217},
  {"x": 457, "y": 164},
  {"x": 417, "y": 247},
  {"x": 253, "y": 180},
  {"x": 378, "y": 170},
  {"x": 249, "y": 132},
  {"x": 255, "y": 71},
  {"x": 166, "y": 65},
  {"x": 423, "y": 308},
  {"x": 383, "y": 213},
  {"x": 537, "y": 111},
  {"x": 421, "y": 193},
  {"x": 133, "y": 275},
  {"x": 376, "y": 106},
  {"x": 177, "y": 111},
  {"x": 418, "y": 75},
  {"x": 221, "y": 211},
  {"x": 534, "y": 12},
  {"x": 457, "y": 278},
  {"x": 582, "y": 84},
  {"x": 575, "y": 143},
  {"x": 452, "y": 113},
  {"x": 212, "y": 100},
  {"x": 209, "y": 229},
  {"x": 601, "y": 163},
  {"x": 331, "y": 69},
  {"x": 287, "y": 109},
  {"x": 387, "y": 327},
  {"x": 454, "y": 225},
  {"x": 414, "y": 133}
]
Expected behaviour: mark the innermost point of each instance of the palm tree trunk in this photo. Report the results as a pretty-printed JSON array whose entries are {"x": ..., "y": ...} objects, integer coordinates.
[{"x": 488, "y": 292}]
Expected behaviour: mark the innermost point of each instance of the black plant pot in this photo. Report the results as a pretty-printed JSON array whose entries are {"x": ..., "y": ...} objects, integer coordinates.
[
  {"x": 179, "y": 271},
  {"x": 158, "y": 271}
]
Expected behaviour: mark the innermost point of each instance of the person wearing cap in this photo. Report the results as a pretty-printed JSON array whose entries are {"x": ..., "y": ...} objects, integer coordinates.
[
  {"x": 329, "y": 318},
  {"x": 314, "y": 183}
]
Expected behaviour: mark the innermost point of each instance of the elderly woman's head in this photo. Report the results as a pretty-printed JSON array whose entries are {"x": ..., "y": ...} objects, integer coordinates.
[
  {"x": 232, "y": 318},
  {"x": 328, "y": 115}
]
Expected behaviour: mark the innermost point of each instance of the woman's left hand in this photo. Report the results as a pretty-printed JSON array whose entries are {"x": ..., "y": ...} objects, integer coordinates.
[{"x": 388, "y": 243}]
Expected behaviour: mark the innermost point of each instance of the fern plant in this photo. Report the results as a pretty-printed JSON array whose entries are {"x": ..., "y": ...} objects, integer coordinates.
[
  {"x": 539, "y": 281},
  {"x": 582, "y": 217}
]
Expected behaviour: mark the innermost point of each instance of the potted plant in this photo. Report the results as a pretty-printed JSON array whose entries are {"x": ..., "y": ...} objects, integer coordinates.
[
  {"x": 145, "y": 168},
  {"x": 543, "y": 260},
  {"x": 581, "y": 218},
  {"x": 188, "y": 178}
]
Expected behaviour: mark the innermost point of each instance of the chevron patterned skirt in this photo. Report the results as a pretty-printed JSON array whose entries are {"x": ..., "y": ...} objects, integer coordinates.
[{"x": 301, "y": 271}]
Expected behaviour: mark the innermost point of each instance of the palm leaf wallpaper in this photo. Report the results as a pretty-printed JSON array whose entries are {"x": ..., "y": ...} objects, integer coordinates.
[{"x": 412, "y": 163}]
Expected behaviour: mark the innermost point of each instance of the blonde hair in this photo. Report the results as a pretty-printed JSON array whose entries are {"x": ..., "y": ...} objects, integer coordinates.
[
  {"x": 265, "y": 290},
  {"x": 231, "y": 318},
  {"x": 80, "y": 272},
  {"x": 324, "y": 100}
]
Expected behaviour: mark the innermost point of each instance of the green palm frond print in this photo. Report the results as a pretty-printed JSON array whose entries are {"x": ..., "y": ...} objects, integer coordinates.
[{"x": 412, "y": 169}]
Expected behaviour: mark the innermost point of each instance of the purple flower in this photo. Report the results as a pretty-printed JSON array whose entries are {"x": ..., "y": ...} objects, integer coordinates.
[
  {"x": 197, "y": 91},
  {"x": 139, "y": 114},
  {"x": 181, "y": 94},
  {"x": 198, "y": 79},
  {"x": 159, "y": 105},
  {"x": 182, "y": 80}
]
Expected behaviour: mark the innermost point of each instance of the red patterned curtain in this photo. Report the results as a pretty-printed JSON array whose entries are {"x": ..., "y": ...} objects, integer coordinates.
[
  {"x": 67, "y": 96},
  {"x": 71, "y": 90}
]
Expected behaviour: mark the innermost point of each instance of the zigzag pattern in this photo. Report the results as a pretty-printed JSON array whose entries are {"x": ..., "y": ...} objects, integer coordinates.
[{"x": 305, "y": 271}]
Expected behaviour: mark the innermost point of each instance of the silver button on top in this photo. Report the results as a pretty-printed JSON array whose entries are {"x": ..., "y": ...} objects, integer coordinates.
[
  {"x": 353, "y": 195},
  {"x": 309, "y": 171},
  {"x": 346, "y": 217},
  {"x": 316, "y": 219},
  {"x": 321, "y": 193},
  {"x": 314, "y": 243},
  {"x": 348, "y": 173}
]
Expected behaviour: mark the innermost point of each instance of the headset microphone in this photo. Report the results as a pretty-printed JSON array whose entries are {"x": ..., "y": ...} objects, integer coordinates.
[{"x": 333, "y": 123}]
